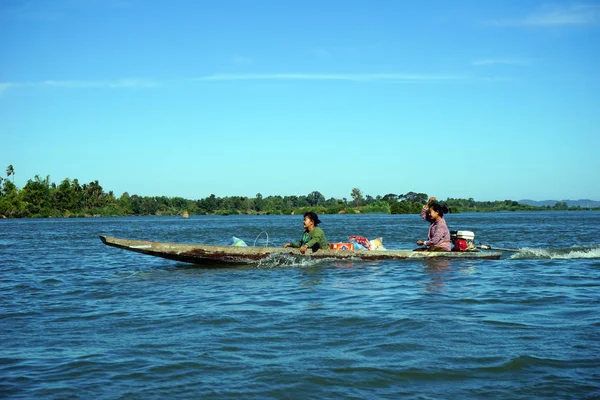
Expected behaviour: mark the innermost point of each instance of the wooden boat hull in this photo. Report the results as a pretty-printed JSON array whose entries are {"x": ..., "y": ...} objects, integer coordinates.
[{"x": 216, "y": 255}]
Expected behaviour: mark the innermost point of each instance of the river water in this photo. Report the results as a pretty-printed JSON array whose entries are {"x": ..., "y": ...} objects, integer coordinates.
[{"x": 79, "y": 319}]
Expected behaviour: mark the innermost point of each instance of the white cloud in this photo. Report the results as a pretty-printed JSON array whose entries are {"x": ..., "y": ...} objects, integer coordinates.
[
  {"x": 242, "y": 60},
  {"x": 322, "y": 54},
  {"x": 122, "y": 83},
  {"x": 58, "y": 9},
  {"x": 144, "y": 83},
  {"x": 129, "y": 83},
  {"x": 133, "y": 83},
  {"x": 331, "y": 77},
  {"x": 556, "y": 16},
  {"x": 505, "y": 61},
  {"x": 4, "y": 86}
]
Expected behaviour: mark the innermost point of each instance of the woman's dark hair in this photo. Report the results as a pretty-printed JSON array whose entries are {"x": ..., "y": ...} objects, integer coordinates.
[
  {"x": 440, "y": 208},
  {"x": 313, "y": 217}
]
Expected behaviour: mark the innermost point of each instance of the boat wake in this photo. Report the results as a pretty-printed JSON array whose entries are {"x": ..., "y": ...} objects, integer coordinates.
[
  {"x": 575, "y": 252},
  {"x": 278, "y": 260}
]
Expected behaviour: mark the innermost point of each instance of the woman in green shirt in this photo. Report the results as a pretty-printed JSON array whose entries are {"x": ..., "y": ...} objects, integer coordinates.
[{"x": 313, "y": 236}]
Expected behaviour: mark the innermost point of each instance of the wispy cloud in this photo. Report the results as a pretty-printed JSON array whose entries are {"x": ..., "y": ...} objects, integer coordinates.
[
  {"x": 504, "y": 61},
  {"x": 122, "y": 83},
  {"x": 573, "y": 15},
  {"x": 5, "y": 86},
  {"x": 29, "y": 12},
  {"x": 242, "y": 60},
  {"x": 331, "y": 77},
  {"x": 145, "y": 83},
  {"x": 322, "y": 54},
  {"x": 334, "y": 53},
  {"x": 57, "y": 10}
]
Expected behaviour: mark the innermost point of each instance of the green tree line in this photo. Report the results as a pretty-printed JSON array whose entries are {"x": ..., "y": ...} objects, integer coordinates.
[{"x": 42, "y": 198}]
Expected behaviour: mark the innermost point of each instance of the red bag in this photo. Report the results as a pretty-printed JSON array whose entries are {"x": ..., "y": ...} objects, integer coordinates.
[{"x": 362, "y": 241}]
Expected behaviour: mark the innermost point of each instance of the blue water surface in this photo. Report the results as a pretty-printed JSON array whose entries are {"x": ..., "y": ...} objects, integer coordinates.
[{"x": 79, "y": 319}]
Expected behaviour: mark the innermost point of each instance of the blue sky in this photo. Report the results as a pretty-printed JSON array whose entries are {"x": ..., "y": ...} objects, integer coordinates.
[{"x": 489, "y": 100}]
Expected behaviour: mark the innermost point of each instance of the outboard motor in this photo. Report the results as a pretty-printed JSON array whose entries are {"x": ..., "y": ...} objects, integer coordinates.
[{"x": 462, "y": 240}]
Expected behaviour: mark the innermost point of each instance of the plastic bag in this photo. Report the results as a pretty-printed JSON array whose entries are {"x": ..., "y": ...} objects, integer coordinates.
[
  {"x": 363, "y": 241},
  {"x": 235, "y": 241},
  {"x": 358, "y": 246},
  {"x": 377, "y": 244}
]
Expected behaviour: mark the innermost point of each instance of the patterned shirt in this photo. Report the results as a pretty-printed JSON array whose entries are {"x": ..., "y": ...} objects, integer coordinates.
[{"x": 438, "y": 235}]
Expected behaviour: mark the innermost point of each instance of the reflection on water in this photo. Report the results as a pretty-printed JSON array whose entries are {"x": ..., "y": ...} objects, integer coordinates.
[
  {"x": 311, "y": 276},
  {"x": 344, "y": 264},
  {"x": 438, "y": 271}
]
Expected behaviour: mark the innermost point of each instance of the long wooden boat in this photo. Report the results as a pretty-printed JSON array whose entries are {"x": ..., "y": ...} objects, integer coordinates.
[{"x": 219, "y": 255}]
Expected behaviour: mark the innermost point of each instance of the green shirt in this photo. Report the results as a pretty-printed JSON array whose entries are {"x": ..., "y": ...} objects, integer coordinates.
[{"x": 314, "y": 239}]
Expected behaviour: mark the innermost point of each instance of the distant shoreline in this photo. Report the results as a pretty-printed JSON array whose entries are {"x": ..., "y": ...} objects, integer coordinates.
[
  {"x": 73, "y": 216},
  {"x": 41, "y": 198}
]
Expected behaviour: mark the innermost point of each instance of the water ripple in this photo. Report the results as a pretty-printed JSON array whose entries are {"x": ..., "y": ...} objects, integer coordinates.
[{"x": 81, "y": 320}]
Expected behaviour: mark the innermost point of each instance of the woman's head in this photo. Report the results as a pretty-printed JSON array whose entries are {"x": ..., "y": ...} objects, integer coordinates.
[
  {"x": 311, "y": 217},
  {"x": 437, "y": 211}
]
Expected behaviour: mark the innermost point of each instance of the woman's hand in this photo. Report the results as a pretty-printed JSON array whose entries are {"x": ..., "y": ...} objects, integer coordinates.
[
  {"x": 431, "y": 200},
  {"x": 303, "y": 249},
  {"x": 287, "y": 245},
  {"x": 420, "y": 242}
]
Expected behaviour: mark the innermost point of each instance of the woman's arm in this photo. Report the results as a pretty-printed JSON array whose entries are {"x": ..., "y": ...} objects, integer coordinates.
[{"x": 426, "y": 207}]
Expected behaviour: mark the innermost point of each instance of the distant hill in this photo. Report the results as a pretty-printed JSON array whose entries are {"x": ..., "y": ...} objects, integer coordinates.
[{"x": 583, "y": 203}]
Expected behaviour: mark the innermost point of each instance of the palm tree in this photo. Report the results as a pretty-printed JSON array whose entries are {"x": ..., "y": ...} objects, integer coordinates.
[{"x": 10, "y": 171}]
